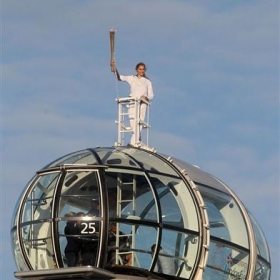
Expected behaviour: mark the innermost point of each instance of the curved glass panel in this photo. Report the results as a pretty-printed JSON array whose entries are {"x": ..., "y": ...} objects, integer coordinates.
[
  {"x": 260, "y": 240},
  {"x": 124, "y": 189},
  {"x": 117, "y": 158},
  {"x": 16, "y": 210},
  {"x": 177, "y": 205},
  {"x": 39, "y": 200},
  {"x": 263, "y": 260},
  {"x": 139, "y": 221},
  {"x": 135, "y": 158},
  {"x": 225, "y": 218},
  {"x": 226, "y": 262},
  {"x": 17, "y": 252},
  {"x": 79, "y": 216},
  {"x": 151, "y": 162},
  {"x": 229, "y": 248},
  {"x": 216, "y": 220},
  {"x": 201, "y": 177},
  {"x": 38, "y": 245},
  {"x": 35, "y": 223},
  {"x": 131, "y": 201},
  {"x": 262, "y": 270},
  {"x": 80, "y": 157},
  {"x": 138, "y": 245},
  {"x": 177, "y": 253}
]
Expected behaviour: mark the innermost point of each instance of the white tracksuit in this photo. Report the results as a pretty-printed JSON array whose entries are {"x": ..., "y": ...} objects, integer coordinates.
[{"x": 138, "y": 87}]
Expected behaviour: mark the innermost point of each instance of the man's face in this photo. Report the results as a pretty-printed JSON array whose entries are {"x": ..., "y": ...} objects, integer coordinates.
[{"x": 114, "y": 228}]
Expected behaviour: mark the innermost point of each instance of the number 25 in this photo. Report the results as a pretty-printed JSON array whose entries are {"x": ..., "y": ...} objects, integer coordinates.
[{"x": 89, "y": 228}]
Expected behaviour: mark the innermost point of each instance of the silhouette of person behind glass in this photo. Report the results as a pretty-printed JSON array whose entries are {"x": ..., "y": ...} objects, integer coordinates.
[
  {"x": 72, "y": 248},
  {"x": 123, "y": 246},
  {"x": 94, "y": 208},
  {"x": 89, "y": 230}
]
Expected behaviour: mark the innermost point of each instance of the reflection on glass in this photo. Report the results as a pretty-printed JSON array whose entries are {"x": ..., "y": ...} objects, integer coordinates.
[
  {"x": 81, "y": 157},
  {"x": 117, "y": 158},
  {"x": 171, "y": 213},
  {"x": 150, "y": 163},
  {"x": 182, "y": 248},
  {"x": 216, "y": 220},
  {"x": 38, "y": 245},
  {"x": 177, "y": 204},
  {"x": 139, "y": 238},
  {"x": 225, "y": 217},
  {"x": 17, "y": 253},
  {"x": 39, "y": 201},
  {"x": 80, "y": 190},
  {"x": 262, "y": 270},
  {"x": 225, "y": 262}
]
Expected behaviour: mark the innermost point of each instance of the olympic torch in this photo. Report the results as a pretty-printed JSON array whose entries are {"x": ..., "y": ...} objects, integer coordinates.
[{"x": 112, "y": 47}]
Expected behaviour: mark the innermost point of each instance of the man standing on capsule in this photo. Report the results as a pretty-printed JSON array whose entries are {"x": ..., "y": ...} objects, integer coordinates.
[{"x": 140, "y": 88}]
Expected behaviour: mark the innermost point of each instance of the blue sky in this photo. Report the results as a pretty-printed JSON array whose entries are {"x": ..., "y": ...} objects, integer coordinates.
[{"x": 215, "y": 72}]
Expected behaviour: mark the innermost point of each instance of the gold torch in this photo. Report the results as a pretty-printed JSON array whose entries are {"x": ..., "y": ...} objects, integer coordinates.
[{"x": 112, "y": 47}]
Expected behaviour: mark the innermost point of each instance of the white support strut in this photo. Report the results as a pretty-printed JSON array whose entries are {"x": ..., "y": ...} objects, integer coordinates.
[{"x": 130, "y": 123}]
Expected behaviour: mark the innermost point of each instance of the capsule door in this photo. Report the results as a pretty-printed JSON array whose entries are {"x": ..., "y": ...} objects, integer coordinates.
[{"x": 81, "y": 218}]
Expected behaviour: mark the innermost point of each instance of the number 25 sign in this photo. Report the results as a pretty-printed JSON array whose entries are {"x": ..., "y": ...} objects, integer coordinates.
[{"x": 88, "y": 228}]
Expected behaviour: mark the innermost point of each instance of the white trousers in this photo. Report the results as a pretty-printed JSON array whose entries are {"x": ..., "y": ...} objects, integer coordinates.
[{"x": 137, "y": 127}]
